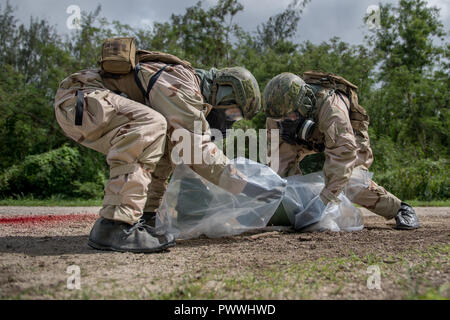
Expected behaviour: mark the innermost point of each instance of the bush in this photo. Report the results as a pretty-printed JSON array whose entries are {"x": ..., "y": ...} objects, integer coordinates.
[
  {"x": 51, "y": 173},
  {"x": 422, "y": 180}
]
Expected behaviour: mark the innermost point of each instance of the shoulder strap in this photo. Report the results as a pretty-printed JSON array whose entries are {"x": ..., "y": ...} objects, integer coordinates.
[
  {"x": 153, "y": 80},
  {"x": 151, "y": 83},
  {"x": 138, "y": 81}
]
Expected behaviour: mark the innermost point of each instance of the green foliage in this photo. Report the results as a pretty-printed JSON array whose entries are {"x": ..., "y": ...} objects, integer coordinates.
[
  {"x": 412, "y": 105},
  {"x": 281, "y": 26},
  {"x": 54, "y": 172},
  {"x": 402, "y": 73},
  {"x": 422, "y": 179}
]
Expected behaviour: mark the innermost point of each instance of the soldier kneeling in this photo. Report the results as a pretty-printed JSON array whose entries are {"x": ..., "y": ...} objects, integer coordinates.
[{"x": 321, "y": 113}]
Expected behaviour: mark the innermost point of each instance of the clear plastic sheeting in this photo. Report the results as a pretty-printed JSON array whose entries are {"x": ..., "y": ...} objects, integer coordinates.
[
  {"x": 307, "y": 212},
  {"x": 192, "y": 206}
]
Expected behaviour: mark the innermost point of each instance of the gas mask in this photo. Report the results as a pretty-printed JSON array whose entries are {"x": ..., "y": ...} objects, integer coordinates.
[
  {"x": 225, "y": 111},
  {"x": 297, "y": 129},
  {"x": 218, "y": 120}
]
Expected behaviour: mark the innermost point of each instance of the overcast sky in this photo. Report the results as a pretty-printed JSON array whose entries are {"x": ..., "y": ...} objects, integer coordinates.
[{"x": 322, "y": 19}]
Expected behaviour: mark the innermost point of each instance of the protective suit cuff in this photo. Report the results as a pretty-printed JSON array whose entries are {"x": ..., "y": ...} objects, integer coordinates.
[
  {"x": 123, "y": 169},
  {"x": 327, "y": 196}
]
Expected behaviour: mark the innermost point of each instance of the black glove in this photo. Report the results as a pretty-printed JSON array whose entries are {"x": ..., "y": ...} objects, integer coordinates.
[
  {"x": 406, "y": 218},
  {"x": 262, "y": 194}
]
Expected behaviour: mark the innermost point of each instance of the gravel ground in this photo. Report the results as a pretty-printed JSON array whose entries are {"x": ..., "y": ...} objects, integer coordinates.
[
  {"x": 14, "y": 211},
  {"x": 35, "y": 255}
]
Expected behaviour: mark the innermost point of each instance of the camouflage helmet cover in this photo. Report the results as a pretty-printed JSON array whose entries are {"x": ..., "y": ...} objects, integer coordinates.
[
  {"x": 286, "y": 93},
  {"x": 245, "y": 87}
]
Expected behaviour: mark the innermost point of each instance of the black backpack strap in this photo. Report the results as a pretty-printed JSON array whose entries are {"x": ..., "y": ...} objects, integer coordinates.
[
  {"x": 79, "y": 108},
  {"x": 153, "y": 80},
  {"x": 138, "y": 81},
  {"x": 340, "y": 96}
]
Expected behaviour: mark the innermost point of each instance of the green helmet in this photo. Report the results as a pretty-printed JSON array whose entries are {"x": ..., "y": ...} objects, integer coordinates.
[
  {"x": 287, "y": 93},
  {"x": 246, "y": 91}
]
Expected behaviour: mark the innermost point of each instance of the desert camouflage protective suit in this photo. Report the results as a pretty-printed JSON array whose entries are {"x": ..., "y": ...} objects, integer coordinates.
[
  {"x": 345, "y": 149},
  {"x": 136, "y": 139}
]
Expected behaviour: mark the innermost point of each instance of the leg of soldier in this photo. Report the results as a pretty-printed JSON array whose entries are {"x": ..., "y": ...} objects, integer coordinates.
[
  {"x": 374, "y": 198},
  {"x": 133, "y": 138},
  {"x": 134, "y": 154},
  {"x": 158, "y": 185}
]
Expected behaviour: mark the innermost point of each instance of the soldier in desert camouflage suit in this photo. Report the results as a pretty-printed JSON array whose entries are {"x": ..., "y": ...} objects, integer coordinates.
[
  {"x": 135, "y": 133},
  {"x": 293, "y": 107}
]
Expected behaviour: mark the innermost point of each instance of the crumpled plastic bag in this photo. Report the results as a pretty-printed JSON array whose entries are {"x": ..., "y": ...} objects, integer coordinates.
[
  {"x": 193, "y": 206},
  {"x": 308, "y": 213}
]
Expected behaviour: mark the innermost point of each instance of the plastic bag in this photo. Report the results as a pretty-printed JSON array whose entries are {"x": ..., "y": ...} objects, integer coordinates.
[
  {"x": 307, "y": 212},
  {"x": 193, "y": 206}
]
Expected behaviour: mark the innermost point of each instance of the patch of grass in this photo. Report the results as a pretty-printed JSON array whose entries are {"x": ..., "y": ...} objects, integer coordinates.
[
  {"x": 58, "y": 201},
  {"x": 319, "y": 278},
  {"x": 432, "y": 203},
  {"x": 51, "y": 202},
  {"x": 441, "y": 293}
]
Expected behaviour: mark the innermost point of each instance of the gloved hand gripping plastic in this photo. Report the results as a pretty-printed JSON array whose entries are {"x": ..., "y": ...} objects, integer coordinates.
[
  {"x": 308, "y": 213},
  {"x": 192, "y": 206}
]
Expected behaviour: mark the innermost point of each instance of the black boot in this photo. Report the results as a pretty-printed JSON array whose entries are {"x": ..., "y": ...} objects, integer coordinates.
[
  {"x": 406, "y": 218},
  {"x": 118, "y": 236},
  {"x": 150, "y": 218}
]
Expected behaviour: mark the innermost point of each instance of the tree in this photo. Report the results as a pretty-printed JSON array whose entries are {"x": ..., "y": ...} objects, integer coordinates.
[
  {"x": 281, "y": 27},
  {"x": 200, "y": 36},
  {"x": 412, "y": 104}
]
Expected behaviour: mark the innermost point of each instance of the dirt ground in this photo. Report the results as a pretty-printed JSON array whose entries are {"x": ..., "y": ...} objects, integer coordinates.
[{"x": 38, "y": 245}]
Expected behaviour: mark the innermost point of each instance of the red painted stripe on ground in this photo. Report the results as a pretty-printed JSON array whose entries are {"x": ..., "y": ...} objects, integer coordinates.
[{"x": 43, "y": 219}]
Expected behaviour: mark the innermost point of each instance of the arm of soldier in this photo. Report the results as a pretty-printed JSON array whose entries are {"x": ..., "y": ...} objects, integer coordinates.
[
  {"x": 207, "y": 160},
  {"x": 196, "y": 149},
  {"x": 177, "y": 96},
  {"x": 340, "y": 148},
  {"x": 216, "y": 167}
]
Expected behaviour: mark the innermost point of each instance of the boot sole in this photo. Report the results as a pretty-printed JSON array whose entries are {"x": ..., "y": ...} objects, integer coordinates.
[
  {"x": 152, "y": 250},
  {"x": 407, "y": 228}
]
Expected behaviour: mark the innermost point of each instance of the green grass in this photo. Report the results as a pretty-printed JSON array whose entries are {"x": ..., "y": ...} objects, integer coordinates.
[
  {"x": 61, "y": 202},
  {"x": 431, "y": 294},
  {"x": 435, "y": 203},
  {"x": 52, "y": 202}
]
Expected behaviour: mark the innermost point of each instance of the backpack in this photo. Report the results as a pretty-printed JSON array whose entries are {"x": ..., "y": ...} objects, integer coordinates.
[
  {"x": 358, "y": 115},
  {"x": 120, "y": 57}
]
